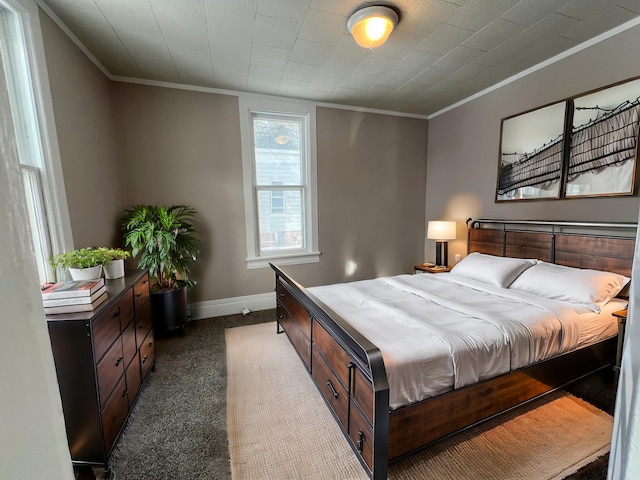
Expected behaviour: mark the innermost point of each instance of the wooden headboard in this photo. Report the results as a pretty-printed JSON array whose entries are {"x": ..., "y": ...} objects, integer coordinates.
[{"x": 598, "y": 246}]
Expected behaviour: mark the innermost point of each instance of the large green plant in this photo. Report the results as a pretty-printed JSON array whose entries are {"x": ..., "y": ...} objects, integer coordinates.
[{"x": 164, "y": 238}]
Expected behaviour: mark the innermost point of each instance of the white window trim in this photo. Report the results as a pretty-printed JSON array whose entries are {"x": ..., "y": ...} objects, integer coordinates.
[
  {"x": 54, "y": 193},
  {"x": 248, "y": 105}
]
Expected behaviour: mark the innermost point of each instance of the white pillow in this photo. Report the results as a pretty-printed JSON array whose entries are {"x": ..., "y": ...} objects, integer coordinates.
[
  {"x": 590, "y": 288},
  {"x": 492, "y": 270}
]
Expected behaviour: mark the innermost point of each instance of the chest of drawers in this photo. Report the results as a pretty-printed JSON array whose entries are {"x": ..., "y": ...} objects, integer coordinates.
[{"x": 102, "y": 359}]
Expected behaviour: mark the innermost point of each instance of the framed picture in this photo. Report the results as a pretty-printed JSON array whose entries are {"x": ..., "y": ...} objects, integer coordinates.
[
  {"x": 604, "y": 142},
  {"x": 531, "y": 154},
  {"x": 585, "y": 146}
]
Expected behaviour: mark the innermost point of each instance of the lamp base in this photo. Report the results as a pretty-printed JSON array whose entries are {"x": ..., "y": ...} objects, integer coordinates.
[{"x": 442, "y": 254}]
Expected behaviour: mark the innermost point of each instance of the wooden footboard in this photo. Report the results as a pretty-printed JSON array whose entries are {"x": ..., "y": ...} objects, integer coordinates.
[{"x": 347, "y": 369}]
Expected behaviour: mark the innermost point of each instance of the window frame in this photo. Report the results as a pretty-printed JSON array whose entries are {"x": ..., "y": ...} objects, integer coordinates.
[
  {"x": 31, "y": 103},
  {"x": 250, "y": 105}
]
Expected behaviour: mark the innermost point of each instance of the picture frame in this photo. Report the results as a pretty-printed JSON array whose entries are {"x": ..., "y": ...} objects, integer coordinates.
[
  {"x": 531, "y": 154},
  {"x": 584, "y": 146},
  {"x": 604, "y": 142}
]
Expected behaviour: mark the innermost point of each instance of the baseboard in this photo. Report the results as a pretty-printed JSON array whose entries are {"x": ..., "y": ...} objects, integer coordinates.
[{"x": 230, "y": 306}]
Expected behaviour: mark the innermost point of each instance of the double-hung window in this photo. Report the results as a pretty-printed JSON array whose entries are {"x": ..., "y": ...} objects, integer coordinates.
[
  {"x": 278, "y": 141},
  {"x": 20, "y": 56}
]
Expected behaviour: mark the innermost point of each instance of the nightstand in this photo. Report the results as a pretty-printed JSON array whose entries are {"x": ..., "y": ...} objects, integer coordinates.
[
  {"x": 430, "y": 269},
  {"x": 621, "y": 315}
]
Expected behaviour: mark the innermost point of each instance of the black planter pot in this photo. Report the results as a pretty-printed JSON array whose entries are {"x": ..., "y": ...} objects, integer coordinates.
[{"x": 169, "y": 310}]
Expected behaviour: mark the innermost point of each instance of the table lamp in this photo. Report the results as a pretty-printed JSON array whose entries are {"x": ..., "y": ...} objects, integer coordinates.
[{"x": 441, "y": 231}]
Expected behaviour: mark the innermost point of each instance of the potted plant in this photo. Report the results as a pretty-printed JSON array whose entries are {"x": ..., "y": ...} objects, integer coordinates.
[
  {"x": 115, "y": 267},
  {"x": 164, "y": 241},
  {"x": 83, "y": 263}
]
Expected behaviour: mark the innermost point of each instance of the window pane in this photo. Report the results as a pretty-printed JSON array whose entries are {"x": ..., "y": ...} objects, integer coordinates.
[
  {"x": 37, "y": 221},
  {"x": 278, "y": 155},
  {"x": 281, "y": 231},
  {"x": 277, "y": 199}
]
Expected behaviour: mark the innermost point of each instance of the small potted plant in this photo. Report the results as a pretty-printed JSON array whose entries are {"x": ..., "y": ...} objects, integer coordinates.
[
  {"x": 115, "y": 267},
  {"x": 83, "y": 263}
]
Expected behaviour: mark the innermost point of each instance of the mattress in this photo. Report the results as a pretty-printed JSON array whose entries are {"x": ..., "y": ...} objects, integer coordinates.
[{"x": 441, "y": 332}]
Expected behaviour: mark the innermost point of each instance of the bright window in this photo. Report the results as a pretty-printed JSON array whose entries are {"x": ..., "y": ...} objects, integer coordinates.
[
  {"x": 279, "y": 177},
  {"x": 21, "y": 55}
]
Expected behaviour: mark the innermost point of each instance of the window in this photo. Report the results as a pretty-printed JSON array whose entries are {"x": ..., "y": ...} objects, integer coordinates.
[
  {"x": 278, "y": 140},
  {"x": 21, "y": 55}
]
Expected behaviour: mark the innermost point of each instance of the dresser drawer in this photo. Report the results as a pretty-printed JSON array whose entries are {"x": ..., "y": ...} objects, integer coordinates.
[
  {"x": 133, "y": 379},
  {"x": 143, "y": 323},
  {"x": 147, "y": 354},
  {"x": 331, "y": 388},
  {"x": 129, "y": 345},
  {"x": 300, "y": 341},
  {"x": 332, "y": 352},
  {"x": 114, "y": 414},
  {"x": 125, "y": 302},
  {"x": 109, "y": 371},
  {"x": 361, "y": 435},
  {"x": 106, "y": 328},
  {"x": 296, "y": 311},
  {"x": 362, "y": 392},
  {"x": 141, "y": 292}
]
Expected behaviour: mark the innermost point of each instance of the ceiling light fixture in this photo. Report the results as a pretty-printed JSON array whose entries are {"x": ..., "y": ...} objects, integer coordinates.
[{"x": 371, "y": 26}]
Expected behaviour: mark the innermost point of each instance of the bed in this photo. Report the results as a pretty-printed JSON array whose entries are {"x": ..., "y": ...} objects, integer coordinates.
[{"x": 462, "y": 357}]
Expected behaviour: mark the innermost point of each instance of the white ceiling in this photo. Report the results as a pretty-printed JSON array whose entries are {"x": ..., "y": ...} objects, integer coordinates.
[{"x": 440, "y": 53}]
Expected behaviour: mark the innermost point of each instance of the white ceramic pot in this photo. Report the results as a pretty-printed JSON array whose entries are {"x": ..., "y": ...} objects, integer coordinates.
[
  {"x": 114, "y": 269},
  {"x": 89, "y": 273}
]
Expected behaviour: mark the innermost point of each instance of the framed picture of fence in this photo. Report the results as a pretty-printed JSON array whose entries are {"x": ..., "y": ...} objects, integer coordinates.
[
  {"x": 604, "y": 142},
  {"x": 584, "y": 146},
  {"x": 531, "y": 154}
]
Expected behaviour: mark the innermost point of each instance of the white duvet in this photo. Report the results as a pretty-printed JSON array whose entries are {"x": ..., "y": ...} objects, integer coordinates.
[{"x": 439, "y": 332}]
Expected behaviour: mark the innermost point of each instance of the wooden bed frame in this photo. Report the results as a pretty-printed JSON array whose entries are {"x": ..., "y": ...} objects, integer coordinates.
[{"x": 349, "y": 371}]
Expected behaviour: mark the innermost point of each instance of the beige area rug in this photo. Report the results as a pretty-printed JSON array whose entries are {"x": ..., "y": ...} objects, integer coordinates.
[{"x": 280, "y": 428}]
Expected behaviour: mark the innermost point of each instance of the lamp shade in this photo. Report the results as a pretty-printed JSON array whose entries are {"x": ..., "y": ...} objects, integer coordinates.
[
  {"x": 371, "y": 26},
  {"x": 441, "y": 230}
]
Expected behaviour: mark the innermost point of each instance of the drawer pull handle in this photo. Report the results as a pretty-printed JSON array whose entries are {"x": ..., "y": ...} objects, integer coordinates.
[
  {"x": 140, "y": 325},
  {"x": 124, "y": 394},
  {"x": 119, "y": 360},
  {"x": 280, "y": 317},
  {"x": 138, "y": 295},
  {"x": 150, "y": 344},
  {"x": 360, "y": 442},
  {"x": 281, "y": 295},
  {"x": 144, "y": 359},
  {"x": 332, "y": 388}
]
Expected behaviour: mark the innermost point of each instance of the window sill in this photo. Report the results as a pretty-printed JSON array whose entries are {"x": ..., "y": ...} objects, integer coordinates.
[{"x": 297, "y": 259}]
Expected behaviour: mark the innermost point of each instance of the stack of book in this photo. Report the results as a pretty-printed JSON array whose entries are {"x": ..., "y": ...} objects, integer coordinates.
[{"x": 73, "y": 296}]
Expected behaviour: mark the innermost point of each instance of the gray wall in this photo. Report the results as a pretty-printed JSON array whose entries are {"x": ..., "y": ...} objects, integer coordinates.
[
  {"x": 84, "y": 122},
  {"x": 371, "y": 177},
  {"x": 464, "y": 143},
  {"x": 184, "y": 147}
]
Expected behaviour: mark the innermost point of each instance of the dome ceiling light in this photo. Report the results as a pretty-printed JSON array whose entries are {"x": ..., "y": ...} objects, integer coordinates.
[{"x": 371, "y": 26}]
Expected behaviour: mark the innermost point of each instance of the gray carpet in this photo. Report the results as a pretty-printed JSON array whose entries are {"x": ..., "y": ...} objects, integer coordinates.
[{"x": 178, "y": 429}]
